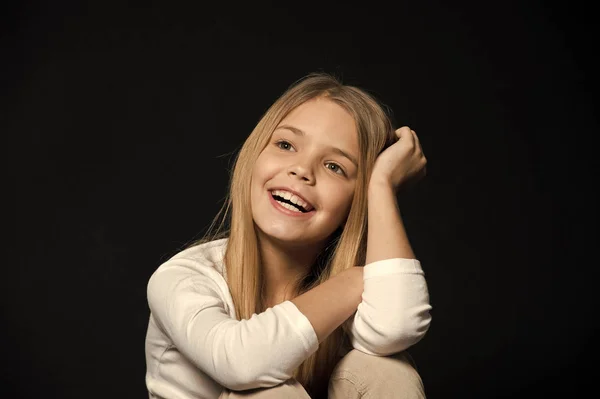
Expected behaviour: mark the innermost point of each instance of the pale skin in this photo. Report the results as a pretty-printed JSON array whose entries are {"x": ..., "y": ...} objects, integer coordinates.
[
  {"x": 400, "y": 164},
  {"x": 331, "y": 303},
  {"x": 289, "y": 245},
  {"x": 307, "y": 154}
]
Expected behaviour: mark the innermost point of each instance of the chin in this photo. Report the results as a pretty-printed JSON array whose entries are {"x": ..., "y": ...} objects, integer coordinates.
[
  {"x": 283, "y": 236},
  {"x": 295, "y": 242}
]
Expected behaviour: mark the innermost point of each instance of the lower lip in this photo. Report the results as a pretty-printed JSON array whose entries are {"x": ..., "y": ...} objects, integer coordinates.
[{"x": 286, "y": 211}]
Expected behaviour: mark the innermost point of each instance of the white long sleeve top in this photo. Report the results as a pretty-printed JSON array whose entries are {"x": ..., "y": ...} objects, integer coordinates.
[{"x": 195, "y": 347}]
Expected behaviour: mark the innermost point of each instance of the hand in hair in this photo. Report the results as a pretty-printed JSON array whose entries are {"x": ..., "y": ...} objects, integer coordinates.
[{"x": 401, "y": 164}]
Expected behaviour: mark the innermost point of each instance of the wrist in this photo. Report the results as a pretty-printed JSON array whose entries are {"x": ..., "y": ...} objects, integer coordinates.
[
  {"x": 358, "y": 282},
  {"x": 379, "y": 184}
]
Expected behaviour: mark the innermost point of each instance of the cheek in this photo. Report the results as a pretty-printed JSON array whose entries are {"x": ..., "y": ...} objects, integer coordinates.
[
  {"x": 258, "y": 174},
  {"x": 347, "y": 208},
  {"x": 349, "y": 194},
  {"x": 263, "y": 168},
  {"x": 344, "y": 202}
]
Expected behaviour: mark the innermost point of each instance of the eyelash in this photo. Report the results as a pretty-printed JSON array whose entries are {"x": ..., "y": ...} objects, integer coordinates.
[{"x": 279, "y": 142}]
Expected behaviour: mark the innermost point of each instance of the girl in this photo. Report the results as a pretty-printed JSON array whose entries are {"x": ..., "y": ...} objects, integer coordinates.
[{"x": 308, "y": 287}]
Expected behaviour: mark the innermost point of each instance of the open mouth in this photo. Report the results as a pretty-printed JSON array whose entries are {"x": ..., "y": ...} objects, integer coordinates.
[{"x": 291, "y": 202}]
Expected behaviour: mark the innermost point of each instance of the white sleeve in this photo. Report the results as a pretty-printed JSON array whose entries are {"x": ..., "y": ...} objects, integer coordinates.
[
  {"x": 394, "y": 312},
  {"x": 260, "y": 352}
]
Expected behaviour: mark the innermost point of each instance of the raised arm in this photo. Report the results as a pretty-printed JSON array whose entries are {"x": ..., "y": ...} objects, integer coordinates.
[
  {"x": 394, "y": 313},
  {"x": 400, "y": 164},
  {"x": 389, "y": 295}
]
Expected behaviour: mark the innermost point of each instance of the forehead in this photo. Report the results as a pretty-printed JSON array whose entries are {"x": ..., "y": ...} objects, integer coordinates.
[{"x": 325, "y": 120}]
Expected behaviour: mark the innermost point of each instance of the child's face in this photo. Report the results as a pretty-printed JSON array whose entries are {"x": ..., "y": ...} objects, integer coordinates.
[{"x": 304, "y": 155}]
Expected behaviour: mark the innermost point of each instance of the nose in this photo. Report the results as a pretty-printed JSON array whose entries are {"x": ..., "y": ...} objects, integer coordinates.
[{"x": 302, "y": 172}]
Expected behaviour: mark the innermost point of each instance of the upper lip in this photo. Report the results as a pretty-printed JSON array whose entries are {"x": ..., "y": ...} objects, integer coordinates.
[{"x": 310, "y": 205}]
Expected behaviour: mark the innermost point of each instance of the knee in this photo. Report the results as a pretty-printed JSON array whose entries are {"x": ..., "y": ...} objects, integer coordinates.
[{"x": 376, "y": 374}]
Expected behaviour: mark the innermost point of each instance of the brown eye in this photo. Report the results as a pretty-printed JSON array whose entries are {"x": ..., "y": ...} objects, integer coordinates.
[
  {"x": 284, "y": 145},
  {"x": 335, "y": 168}
]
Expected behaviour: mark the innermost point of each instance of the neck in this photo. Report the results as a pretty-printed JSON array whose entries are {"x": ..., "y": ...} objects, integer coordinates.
[{"x": 282, "y": 268}]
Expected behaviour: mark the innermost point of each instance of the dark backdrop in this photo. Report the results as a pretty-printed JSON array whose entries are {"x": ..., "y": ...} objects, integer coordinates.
[{"x": 119, "y": 122}]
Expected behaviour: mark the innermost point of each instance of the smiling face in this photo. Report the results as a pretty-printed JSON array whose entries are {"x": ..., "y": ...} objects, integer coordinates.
[{"x": 312, "y": 154}]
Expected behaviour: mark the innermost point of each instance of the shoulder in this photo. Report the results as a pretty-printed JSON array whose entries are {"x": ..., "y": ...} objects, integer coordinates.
[
  {"x": 187, "y": 282},
  {"x": 198, "y": 269},
  {"x": 205, "y": 258},
  {"x": 209, "y": 253}
]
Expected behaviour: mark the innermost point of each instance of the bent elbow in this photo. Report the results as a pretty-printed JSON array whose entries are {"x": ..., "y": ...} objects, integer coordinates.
[
  {"x": 405, "y": 333},
  {"x": 413, "y": 328},
  {"x": 245, "y": 370},
  {"x": 238, "y": 383},
  {"x": 244, "y": 381}
]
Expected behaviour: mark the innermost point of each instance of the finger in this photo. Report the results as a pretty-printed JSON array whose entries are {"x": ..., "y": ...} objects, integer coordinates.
[
  {"x": 404, "y": 133},
  {"x": 417, "y": 142}
]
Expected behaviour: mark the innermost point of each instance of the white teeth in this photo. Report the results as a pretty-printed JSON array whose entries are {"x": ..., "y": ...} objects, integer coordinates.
[
  {"x": 291, "y": 197},
  {"x": 296, "y": 200},
  {"x": 288, "y": 206}
]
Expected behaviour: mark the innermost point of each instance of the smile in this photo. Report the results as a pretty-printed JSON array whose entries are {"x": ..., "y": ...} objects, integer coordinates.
[{"x": 287, "y": 208}]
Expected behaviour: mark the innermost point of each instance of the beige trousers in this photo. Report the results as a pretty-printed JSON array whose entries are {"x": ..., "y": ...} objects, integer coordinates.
[{"x": 357, "y": 375}]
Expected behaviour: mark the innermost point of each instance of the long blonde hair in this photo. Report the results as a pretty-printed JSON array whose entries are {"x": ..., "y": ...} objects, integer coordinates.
[{"x": 346, "y": 247}]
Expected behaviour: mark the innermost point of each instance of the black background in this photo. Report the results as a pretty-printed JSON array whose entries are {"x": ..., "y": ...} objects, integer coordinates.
[{"x": 119, "y": 121}]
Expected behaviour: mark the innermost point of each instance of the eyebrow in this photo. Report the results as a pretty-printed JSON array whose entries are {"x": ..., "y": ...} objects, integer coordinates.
[{"x": 339, "y": 151}]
